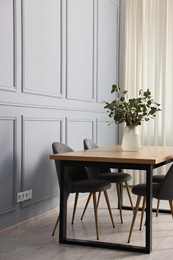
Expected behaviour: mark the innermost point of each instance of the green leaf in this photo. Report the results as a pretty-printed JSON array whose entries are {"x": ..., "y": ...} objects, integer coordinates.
[{"x": 134, "y": 110}]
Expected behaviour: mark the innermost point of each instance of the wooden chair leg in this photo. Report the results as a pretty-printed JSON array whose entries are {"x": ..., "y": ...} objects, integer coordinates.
[
  {"x": 109, "y": 208},
  {"x": 157, "y": 210},
  {"x": 119, "y": 201},
  {"x": 129, "y": 195},
  {"x": 74, "y": 208},
  {"x": 95, "y": 214},
  {"x": 56, "y": 224},
  {"x": 134, "y": 217},
  {"x": 88, "y": 200},
  {"x": 98, "y": 200},
  {"x": 171, "y": 207},
  {"x": 57, "y": 221},
  {"x": 86, "y": 205},
  {"x": 142, "y": 213}
]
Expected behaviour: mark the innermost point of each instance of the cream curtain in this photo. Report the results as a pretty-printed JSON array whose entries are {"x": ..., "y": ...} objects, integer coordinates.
[{"x": 146, "y": 61}]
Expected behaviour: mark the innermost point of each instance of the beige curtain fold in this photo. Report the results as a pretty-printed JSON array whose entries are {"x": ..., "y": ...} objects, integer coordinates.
[{"x": 146, "y": 61}]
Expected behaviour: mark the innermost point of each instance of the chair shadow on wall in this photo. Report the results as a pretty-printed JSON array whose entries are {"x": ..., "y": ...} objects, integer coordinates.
[
  {"x": 41, "y": 178},
  {"x": 8, "y": 182}
]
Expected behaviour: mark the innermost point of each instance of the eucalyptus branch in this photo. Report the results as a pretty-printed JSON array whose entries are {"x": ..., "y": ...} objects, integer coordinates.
[{"x": 134, "y": 110}]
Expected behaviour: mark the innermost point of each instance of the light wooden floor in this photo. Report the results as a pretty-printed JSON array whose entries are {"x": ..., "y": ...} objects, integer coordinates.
[{"x": 33, "y": 240}]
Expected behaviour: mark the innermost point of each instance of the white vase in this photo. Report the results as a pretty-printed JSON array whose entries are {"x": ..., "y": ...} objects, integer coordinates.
[{"x": 131, "y": 138}]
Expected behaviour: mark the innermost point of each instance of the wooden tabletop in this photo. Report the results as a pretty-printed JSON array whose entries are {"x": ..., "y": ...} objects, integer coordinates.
[{"x": 146, "y": 155}]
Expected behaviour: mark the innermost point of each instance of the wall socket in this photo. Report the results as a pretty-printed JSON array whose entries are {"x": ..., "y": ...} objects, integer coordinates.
[{"x": 24, "y": 195}]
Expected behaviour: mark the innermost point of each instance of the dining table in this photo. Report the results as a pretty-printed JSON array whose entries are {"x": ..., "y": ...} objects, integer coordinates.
[{"x": 147, "y": 158}]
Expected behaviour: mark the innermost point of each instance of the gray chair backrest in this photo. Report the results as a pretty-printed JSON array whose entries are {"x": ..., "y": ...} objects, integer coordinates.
[
  {"x": 166, "y": 190},
  {"x": 89, "y": 144},
  {"x": 71, "y": 173}
]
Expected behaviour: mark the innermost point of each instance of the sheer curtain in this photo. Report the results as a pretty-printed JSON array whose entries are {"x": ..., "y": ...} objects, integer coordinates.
[{"x": 146, "y": 61}]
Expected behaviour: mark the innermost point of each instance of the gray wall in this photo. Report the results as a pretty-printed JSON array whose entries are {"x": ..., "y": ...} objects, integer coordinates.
[{"x": 58, "y": 61}]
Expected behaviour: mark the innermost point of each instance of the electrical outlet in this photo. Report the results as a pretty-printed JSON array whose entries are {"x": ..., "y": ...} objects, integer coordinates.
[{"x": 24, "y": 195}]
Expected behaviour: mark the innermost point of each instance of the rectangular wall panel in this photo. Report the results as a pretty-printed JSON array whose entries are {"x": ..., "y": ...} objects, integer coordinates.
[
  {"x": 108, "y": 24},
  {"x": 38, "y": 171},
  {"x": 41, "y": 51},
  {"x": 80, "y": 43},
  {"x": 106, "y": 133},
  {"x": 7, "y": 164},
  {"x": 77, "y": 130},
  {"x": 7, "y": 44}
]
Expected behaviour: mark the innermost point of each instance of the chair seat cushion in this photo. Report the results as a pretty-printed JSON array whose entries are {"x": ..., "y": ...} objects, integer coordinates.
[
  {"x": 89, "y": 185},
  {"x": 115, "y": 177},
  {"x": 140, "y": 189},
  {"x": 158, "y": 178}
]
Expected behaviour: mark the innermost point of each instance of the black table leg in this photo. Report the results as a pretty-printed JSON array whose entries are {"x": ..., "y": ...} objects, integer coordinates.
[
  {"x": 148, "y": 237},
  {"x": 63, "y": 206}
]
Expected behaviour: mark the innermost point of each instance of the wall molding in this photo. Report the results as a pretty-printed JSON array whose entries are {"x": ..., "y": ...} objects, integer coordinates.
[
  {"x": 78, "y": 109},
  {"x": 77, "y": 120},
  {"x": 92, "y": 99},
  {"x": 46, "y": 196},
  {"x": 116, "y": 5},
  {"x": 108, "y": 122},
  {"x": 115, "y": 2},
  {"x": 12, "y": 88},
  {"x": 30, "y": 90},
  {"x": 13, "y": 206}
]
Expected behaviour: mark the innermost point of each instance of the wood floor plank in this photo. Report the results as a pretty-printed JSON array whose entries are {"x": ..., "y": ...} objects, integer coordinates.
[{"x": 32, "y": 240}]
